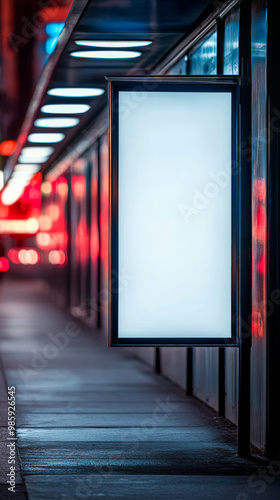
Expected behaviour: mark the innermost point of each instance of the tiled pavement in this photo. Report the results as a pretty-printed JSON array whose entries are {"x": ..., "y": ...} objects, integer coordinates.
[{"x": 94, "y": 422}]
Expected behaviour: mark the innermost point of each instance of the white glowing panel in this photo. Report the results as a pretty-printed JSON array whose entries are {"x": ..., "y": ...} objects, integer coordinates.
[{"x": 174, "y": 214}]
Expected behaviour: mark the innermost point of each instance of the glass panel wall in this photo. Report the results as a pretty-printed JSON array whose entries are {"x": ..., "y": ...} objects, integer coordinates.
[
  {"x": 180, "y": 68},
  {"x": 203, "y": 58},
  {"x": 231, "y": 43},
  {"x": 259, "y": 222}
]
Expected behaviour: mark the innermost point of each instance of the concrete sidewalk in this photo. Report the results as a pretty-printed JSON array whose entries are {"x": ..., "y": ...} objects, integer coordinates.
[{"x": 94, "y": 422}]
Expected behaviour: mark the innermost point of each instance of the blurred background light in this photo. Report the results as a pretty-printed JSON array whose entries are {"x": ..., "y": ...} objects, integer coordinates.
[
  {"x": 56, "y": 122},
  {"x": 43, "y": 239},
  {"x": 51, "y": 44},
  {"x": 76, "y": 92},
  {"x": 4, "y": 264},
  {"x": 13, "y": 256},
  {"x": 37, "y": 151},
  {"x": 27, "y": 167},
  {"x": 62, "y": 189},
  {"x": 24, "y": 174},
  {"x": 45, "y": 223},
  {"x": 54, "y": 29},
  {"x": 18, "y": 226},
  {"x": 11, "y": 194},
  {"x": 57, "y": 257},
  {"x": 28, "y": 256},
  {"x": 65, "y": 108},
  {"x": 106, "y": 54},
  {"x": 7, "y": 148},
  {"x": 32, "y": 225},
  {"x": 46, "y": 188},
  {"x": 29, "y": 159},
  {"x": 46, "y": 138},
  {"x": 113, "y": 44}
]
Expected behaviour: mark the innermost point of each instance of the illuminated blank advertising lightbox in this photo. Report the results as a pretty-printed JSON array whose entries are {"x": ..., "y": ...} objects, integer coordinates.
[{"x": 173, "y": 194}]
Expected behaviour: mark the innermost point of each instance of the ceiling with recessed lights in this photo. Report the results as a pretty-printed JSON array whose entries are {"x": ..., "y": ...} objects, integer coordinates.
[{"x": 100, "y": 38}]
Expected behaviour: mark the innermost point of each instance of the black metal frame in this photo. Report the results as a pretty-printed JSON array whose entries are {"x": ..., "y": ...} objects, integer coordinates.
[
  {"x": 222, "y": 356},
  {"x": 245, "y": 241},
  {"x": 175, "y": 84}
]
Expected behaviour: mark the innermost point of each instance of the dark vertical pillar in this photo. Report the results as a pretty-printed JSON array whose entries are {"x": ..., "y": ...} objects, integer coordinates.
[
  {"x": 245, "y": 229},
  {"x": 273, "y": 215},
  {"x": 221, "y": 382},
  {"x": 189, "y": 390},
  {"x": 69, "y": 242},
  {"x": 88, "y": 216},
  {"x": 157, "y": 361}
]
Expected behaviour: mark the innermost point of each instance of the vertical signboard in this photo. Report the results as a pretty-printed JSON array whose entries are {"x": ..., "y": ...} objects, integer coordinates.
[{"x": 174, "y": 210}]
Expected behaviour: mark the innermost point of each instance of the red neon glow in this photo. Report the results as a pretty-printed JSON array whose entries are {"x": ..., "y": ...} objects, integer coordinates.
[
  {"x": 22, "y": 216},
  {"x": 262, "y": 265},
  {"x": 104, "y": 217},
  {"x": 259, "y": 229},
  {"x": 13, "y": 256},
  {"x": 94, "y": 246},
  {"x": 257, "y": 323},
  {"x": 31, "y": 194},
  {"x": 56, "y": 13},
  {"x": 94, "y": 231},
  {"x": 45, "y": 223},
  {"x": 54, "y": 212},
  {"x": 78, "y": 186},
  {"x": 259, "y": 213},
  {"x": 7, "y": 148},
  {"x": 4, "y": 264},
  {"x": 4, "y": 211},
  {"x": 259, "y": 257},
  {"x": 62, "y": 187}
]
